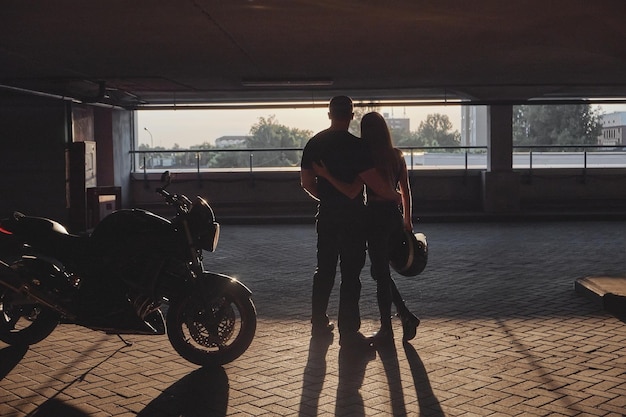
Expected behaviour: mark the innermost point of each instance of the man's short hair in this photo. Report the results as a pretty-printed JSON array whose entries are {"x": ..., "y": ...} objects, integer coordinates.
[{"x": 340, "y": 107}]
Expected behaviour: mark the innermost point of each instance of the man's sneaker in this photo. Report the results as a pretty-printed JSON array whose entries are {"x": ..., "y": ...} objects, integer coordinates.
[
  {"x": 322, "y": 330},
  {"x": 355, "y": 340}
]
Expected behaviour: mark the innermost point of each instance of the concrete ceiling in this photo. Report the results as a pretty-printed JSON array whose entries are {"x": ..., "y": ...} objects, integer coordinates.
[{"x": 143, "y": 53}]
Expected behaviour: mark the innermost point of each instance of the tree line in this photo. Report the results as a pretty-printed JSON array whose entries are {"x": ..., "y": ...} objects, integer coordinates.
[{"x": 532, "y": 125}]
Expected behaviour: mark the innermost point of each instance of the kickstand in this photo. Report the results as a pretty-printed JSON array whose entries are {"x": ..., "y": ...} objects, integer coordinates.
[{"x": 127, "y": 343}]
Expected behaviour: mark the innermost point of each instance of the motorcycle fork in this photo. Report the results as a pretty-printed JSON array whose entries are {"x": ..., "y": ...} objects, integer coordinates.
[{"x": 197, "y": 266}]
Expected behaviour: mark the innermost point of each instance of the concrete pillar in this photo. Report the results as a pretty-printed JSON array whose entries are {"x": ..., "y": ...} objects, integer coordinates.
[
  {"x": 500, "y": 185},
  {"x": 104, "y": 138},
  {"x": 114, "y": 132}
]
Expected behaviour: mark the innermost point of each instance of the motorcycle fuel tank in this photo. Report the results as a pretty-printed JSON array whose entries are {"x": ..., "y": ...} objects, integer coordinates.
[{"x": 134, "y": 227}]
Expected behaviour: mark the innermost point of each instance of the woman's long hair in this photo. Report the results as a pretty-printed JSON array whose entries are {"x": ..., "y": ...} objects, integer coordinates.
[{"x": 374, "y": 129}]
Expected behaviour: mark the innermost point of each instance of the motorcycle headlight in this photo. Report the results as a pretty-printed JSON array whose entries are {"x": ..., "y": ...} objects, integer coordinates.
[{"x": 204, "y": 229}]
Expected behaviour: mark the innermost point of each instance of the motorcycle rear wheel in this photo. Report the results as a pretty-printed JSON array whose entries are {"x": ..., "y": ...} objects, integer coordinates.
[
  {"x": 24, "y": 324},
  {"x": 211, "y": 335}
]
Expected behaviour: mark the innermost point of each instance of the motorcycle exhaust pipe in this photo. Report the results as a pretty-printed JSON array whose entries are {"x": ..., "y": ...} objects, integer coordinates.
[{"x": 12, "y": 280}]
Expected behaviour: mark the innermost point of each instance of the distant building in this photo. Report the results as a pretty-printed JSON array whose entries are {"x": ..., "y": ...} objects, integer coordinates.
[
  {"x": 228, "y": 141},
  {"x": 613, "y": 126},
  {"x": 401, "y": 124}
]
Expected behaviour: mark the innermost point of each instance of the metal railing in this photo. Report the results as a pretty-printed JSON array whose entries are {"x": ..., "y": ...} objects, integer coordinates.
[{"x": 417, "y": 157}]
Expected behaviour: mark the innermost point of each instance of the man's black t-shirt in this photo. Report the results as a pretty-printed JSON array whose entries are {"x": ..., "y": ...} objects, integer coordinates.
[{"x": 345, "y": 156}]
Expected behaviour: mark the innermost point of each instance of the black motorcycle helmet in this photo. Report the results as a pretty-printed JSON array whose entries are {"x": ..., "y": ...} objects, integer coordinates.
[
  {"x": 202, "y": 225},
  {"x": 409, "y": 254}
]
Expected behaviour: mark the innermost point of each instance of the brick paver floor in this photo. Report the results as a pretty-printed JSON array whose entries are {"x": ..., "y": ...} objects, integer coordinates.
[{"x": 503, "y": 333}]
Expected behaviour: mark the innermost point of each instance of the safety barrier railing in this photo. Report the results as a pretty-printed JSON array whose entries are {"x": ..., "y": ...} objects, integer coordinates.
[{"x": 529, "y": 157}]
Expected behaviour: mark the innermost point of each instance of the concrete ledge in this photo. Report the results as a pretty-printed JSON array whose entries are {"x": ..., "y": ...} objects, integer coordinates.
[{"x": 608, "y": 292}]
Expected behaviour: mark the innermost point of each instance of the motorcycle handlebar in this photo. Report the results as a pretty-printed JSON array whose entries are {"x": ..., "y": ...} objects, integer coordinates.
[
  {"x": 182, "y": 203},
  {"x": 179, "y": 200}
]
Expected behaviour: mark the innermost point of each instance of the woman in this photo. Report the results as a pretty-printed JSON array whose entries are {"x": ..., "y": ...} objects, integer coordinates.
[{"x": 385, "y": 223}]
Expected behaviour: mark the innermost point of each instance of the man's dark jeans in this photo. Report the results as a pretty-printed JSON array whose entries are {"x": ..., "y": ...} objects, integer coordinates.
[{"x": 340, "y": 237}]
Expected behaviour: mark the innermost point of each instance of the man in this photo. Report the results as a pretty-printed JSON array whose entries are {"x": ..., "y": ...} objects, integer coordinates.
[{"x": 340, "y": 220}]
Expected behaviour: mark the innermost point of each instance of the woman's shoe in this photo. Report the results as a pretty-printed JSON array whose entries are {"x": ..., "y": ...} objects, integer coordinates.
[
  {"x": 382, "y": 337},
  {"x": 409, "y": 326}
]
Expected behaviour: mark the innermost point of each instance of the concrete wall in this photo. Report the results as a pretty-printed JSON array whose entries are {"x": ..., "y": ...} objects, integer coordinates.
[
  {"x": 574, "y": 191},
  {"x": 34, "y": 136},
  {"x": 232, "y": 194},
  {"x": 437, "y": 194}
]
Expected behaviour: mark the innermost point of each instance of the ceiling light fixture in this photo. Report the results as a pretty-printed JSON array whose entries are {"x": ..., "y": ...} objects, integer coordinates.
[{"x": 287, "y": 83}]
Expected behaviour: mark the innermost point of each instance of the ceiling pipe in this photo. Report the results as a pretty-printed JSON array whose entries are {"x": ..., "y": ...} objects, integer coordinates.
[{"x": 57, "y": 97}]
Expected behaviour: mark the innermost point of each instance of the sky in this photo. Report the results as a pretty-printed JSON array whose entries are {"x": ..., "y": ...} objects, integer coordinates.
[
  {"x": 193, "y": 127},
  {"x": 165, "y": 128}
]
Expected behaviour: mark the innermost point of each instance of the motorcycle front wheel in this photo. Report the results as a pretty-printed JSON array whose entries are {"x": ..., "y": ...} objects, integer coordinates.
[
  {"x": 214, "y": 333},
  {"x": 23, "y": 324}
]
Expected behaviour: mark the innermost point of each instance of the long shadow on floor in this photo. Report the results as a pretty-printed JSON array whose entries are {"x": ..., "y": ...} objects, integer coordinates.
[
  {"x": 10, "y": 356},
  {"x": 202, "y": 393},
  {"x": 352, "y": 364},
  {"x": 428, "y": 403},
  {"x": 53, "y": 406},
  {"x": 314, "y": 375},
  {"x": 57, "y": 408},
  {"x": 389, "y": 356}
]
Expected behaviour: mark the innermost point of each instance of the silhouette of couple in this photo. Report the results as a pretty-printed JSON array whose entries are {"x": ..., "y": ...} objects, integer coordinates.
[{"x": 340, "y": 170}]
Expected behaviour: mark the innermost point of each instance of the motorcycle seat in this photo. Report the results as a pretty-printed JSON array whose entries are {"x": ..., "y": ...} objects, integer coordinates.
[
  {"x": 32, "y": 224},
  {"x": 48, "y": 236}
]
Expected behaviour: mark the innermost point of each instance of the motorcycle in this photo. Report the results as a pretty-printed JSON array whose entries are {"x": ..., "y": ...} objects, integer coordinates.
[{"x": 136, "y": 273}]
